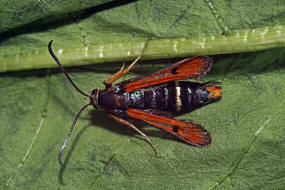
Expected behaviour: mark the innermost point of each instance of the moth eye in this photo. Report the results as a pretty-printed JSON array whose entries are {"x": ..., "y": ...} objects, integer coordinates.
[{"x": 94, "y": 91}]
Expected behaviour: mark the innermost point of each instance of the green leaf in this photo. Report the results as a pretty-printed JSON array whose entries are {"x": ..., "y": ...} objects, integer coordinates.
[
  {"x": 247, "y": 127},
  {"x": 38, "y": 106},
  {"x": 18, "y": 14},
  {"x": 115, "y": 31}
]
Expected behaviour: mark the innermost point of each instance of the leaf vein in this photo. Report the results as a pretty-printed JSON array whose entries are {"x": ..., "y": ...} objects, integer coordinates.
[
  {"x": 217, "y": 17},
  {"x": 240, "y": 157},
  {"x": 42, "y": 121}
]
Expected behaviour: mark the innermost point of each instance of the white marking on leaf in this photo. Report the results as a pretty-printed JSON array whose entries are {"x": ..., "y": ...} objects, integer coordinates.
[
  {"x": 175, "y": 46},
  {"x": 86, "y": 51},
  {"x": 261, "y": 127},
  {"x": 237, "y": 35},
  {"x": 203, "y": 43},
  {"x": 27, "y": 152},
  {"x": 264, "y": 32},
  {"x": 101, "y": 51},
  {"x": 245, "y": 36}
]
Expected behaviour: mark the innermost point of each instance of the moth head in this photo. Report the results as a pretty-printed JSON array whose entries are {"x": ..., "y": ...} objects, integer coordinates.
[{"x": 94, "y": 96}]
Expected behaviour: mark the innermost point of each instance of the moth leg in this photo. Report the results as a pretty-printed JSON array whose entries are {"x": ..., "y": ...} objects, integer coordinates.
[
  {"x": 109, "y": 81},
  {"x": 124, "y": 122},
  {"x": 123, "y": 66}
]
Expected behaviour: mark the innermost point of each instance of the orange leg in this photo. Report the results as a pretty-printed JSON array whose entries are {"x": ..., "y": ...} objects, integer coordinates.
[
  {"x": 109, "y": 81},
  {"x": 124, "y": 122}
]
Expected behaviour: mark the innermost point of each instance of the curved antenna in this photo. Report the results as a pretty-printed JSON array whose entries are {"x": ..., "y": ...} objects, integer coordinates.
[
  {"x": 59, "y": 156},
  {"x": 63, "y": 69}
]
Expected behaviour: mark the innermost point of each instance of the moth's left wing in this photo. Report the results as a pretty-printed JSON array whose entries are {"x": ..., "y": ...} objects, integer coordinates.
[{"x": 188, "y": 132}]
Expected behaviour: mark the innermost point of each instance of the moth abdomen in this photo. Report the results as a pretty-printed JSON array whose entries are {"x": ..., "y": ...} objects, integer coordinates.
[{"x": 177, "y": 96}]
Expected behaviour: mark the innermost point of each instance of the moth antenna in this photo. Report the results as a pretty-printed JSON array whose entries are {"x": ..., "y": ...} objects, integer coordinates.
[
  {"x": 68, "y": 135},
  {"x": 63, "y": 69}
]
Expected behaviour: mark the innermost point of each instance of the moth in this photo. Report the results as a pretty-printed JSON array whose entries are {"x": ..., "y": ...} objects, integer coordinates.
[{"x": 155, "y": 99}]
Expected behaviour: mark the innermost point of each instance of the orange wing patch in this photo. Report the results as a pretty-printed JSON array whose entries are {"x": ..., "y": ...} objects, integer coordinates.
[
  {"x": 189, "y": 132},
  {"x": 191, "y": 68}
]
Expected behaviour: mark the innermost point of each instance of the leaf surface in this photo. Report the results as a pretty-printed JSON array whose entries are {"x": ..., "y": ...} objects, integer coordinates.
[
  {"x": 247, "y": 128},
  {"x": 39, "y": 105},
  {"x": 108, "y": 31}
]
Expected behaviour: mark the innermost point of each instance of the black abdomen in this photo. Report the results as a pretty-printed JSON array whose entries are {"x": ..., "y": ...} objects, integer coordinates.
[{"x": 178, "y": 96}]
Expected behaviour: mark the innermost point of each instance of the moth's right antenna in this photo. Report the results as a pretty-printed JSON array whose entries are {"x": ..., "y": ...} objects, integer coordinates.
[{"x": 63, "y": 69}]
